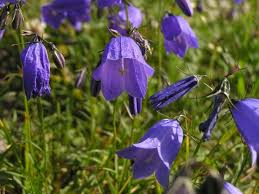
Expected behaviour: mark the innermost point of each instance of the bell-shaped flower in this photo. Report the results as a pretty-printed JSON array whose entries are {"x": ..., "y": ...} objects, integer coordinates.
[
  {"x": 178, "y": 35},
  {"x": 119, "y": 21},
  {"x": 186, "y": 6},
  {"x": 231, "y": 189},
  {"x": 36, "y": 70},
  {"x": 108, "y": 3},
  {"x": 246, "y": 116},
  {"x": 156, "y": 151},
  {"x": 174, "y": 92},
  {"x": 123, "y": 68},
  {"x": 76, "y": 12}
]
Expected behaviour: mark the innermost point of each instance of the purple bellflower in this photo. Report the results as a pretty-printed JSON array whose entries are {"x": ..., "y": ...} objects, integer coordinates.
[
  {"x": 185, "y": 6},
  {"x": 135, "y": 105},
  {"x": 246, "y": 116},
  {"x": 231, "y": 189},
  {"x": 36, "y": 70},
  {"x": 76, "y": 12},
  {"x": 174, "y": 92},
  {"x": 123, "y": 68},
  {"x": 156, "y": 151},
  {"x": 108, "y": 3},
  {"x": 119, "y": 22},
  {"x": 178, "y": 35}
]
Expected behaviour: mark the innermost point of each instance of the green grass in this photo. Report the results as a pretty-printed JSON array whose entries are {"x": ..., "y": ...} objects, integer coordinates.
[{"x": 66, "y": 143}]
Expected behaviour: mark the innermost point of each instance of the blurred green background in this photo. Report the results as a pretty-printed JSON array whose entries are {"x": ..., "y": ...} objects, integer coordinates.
[{"x": 74, "y": 136}]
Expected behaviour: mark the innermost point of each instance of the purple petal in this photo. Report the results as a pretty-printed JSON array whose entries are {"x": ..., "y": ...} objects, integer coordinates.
[
  {"x": 231, "y": 189},
  {"x": 36, "y": 70},
  {"x": 2, "y": 34},
  {"x": 246, "y": 115},
  {"x": 162, "y": 175}
]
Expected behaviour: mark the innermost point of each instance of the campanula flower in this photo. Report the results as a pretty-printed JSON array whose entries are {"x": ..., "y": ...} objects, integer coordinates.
[
  {"x": 108, "y": 3},
  {"x": 119, "y": 21},
  {"x": 123, "y": 68},
  {"x": 231, "y": 189},
  {"x": 207, "y": 126},
  {"x": 246, "y": 116},
  {"x": 186, "y": 6},
  {"x": 156, "y": 151},
  {"x": 76, "y": 12},
  {"x": 36, "y": 70},
  {"x": 174, "y": 92},
  {"x": 178, "y": 35},
  {"x": 135, "y": 105}
]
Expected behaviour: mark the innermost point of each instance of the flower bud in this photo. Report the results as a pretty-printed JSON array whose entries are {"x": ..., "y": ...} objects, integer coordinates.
[
  {"x": 57, "y": 57},
  {"x": 95, "y": 87},
  {"x": 17, "y": 17},
  {"x": 80, "y": 78},
  {"x": 185, "y": 6},
  {"x": 135, "y": 105},
  {"x": 4, "y": 16}
]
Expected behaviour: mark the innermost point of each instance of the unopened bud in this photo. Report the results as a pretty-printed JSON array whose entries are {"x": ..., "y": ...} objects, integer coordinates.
[
  {"x": 95, "y": 87},
  {"x": 17, "y": 17},
  {"x": 4, "y": 16},
  {"x": 80, "y": 78},
  {"x": 135, "y": 105},
  {"x": 57, "y": 57}
]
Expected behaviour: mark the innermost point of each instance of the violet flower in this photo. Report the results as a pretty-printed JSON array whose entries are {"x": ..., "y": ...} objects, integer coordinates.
[
  {"x": 135, "y": 105},
  {"x": 76, "y": 12},
  {"x": 246, "y": 116},
  {"x": 185, "y": 6},
  {"x": 178, "y": 35},
  {"x": 156, "y": 151},
  {"x": 173, "y": 92},
  {"x": 119, "y": 21},
  {"x": 231, "y": 189},
  {"x": 123, "y": 68},
  {"x": 108, "y": 3},
  {"x": 36, "y": 70}
]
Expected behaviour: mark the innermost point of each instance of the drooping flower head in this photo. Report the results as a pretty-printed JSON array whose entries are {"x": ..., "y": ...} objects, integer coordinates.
[
  {"x": 108, "y": 3},
  {"x": 246, "y": 116},
  {"x": 119, "y": 22},
  {"x": 173, "y": 92},
  {"x": 178, "y": 35},
  {"x": 186, "y": 6},
  {"x": 36, "y": 70},
  {"x": 76, "y": 12},
  {"x": 123, "y": 68},
  {"x": 231, "y": 189},
  {"x": 156, "y": 151}
]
